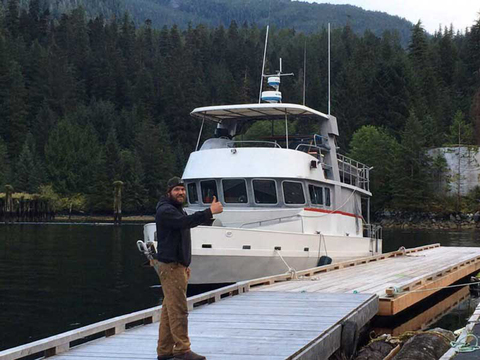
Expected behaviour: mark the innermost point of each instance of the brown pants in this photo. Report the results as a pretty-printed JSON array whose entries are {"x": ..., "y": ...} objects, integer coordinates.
[{"x": 173, "y": 330}]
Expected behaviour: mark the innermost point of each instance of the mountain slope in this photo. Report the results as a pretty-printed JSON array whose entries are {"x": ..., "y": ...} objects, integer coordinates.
[{"x": 299, "y": 15}]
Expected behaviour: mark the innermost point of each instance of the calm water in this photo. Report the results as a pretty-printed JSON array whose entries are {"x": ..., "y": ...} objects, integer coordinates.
[{"x": 54, "y": 278}]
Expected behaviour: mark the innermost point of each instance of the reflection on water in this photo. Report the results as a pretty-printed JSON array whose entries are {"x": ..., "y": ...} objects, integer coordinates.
[{"x": 54, "y": 278}]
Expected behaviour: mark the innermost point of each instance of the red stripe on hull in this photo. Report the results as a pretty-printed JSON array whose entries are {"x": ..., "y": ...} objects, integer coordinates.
[{"x": 332, "y": 212}]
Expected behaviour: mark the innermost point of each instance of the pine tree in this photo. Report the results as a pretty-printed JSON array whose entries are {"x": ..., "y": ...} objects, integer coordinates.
[
  {"x": 100, "y": 192},
  {"x": 72, "y": 157},
  {"x": 154, "y": 151},
  {"x": 376, "y": 148},
  {"x": 135, "y": 194},
  {"x": 13, "y": 109},
  {"x": 28, "y": 168},
  {"x": 461, "y": 132},
  {"x": 410, "y": 187},
  {"x": 4, "y": 166},
  {"x": 112, "y": 157},
  {"x": 12, "y": 17}
]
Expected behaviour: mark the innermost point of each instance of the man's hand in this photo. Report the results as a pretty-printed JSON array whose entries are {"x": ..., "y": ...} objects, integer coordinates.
[{"x": 216, "y": 207}]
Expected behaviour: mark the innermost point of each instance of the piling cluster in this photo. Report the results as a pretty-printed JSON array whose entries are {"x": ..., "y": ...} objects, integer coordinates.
[{"x": 18, "y": 208}]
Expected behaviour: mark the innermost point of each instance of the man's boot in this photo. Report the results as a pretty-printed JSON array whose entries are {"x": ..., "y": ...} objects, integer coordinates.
[{"x": 189, "y": 355}]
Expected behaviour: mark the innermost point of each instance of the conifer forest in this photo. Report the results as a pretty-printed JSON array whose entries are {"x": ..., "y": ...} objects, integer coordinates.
[{"x": 88, "y": 100}]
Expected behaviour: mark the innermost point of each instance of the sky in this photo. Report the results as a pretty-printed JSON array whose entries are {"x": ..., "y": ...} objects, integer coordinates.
[{"x": 432, "y": 13}]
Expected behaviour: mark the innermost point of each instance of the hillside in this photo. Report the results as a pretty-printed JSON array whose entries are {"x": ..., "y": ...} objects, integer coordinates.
[{"x": 299, "y": 15}]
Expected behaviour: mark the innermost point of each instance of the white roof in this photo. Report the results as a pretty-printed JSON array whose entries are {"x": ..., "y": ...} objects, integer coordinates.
[{"x": 262, "y": 111}]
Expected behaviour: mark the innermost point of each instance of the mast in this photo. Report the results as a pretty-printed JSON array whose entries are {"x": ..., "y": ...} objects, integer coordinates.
[
  {"x": 329, "y": 95},
  {"x": 263, "y": 66}
]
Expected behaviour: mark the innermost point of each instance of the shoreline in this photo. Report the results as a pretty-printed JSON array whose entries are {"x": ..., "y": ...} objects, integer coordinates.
[{"x": 415, "y": 222}]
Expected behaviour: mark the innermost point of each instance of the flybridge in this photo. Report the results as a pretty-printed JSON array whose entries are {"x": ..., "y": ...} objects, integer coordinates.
[{"x": 264, "y": 111}]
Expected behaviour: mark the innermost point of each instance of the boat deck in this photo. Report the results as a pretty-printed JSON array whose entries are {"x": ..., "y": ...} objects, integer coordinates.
[{"x": 287, "y": 316}]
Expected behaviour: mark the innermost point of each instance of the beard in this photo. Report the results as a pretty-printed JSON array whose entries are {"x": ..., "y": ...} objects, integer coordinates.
[{"x": 178, "y": 200}]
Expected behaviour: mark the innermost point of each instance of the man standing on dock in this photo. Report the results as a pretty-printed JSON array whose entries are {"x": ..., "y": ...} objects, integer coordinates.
[{"x": 174, "y": 252}]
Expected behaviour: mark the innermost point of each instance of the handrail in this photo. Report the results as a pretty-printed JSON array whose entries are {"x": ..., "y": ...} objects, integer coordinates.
[
  {"x": 259, "y": 222},
  {"x": 359, "y": 174},
  {"x": 233, "y": 142}
]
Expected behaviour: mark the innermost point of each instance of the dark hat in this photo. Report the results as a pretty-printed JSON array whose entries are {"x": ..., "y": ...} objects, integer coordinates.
[{"x": 174, "y": 181}]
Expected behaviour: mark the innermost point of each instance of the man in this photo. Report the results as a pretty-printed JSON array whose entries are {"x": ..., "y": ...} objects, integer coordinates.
[{"x": 174, "y": 252}]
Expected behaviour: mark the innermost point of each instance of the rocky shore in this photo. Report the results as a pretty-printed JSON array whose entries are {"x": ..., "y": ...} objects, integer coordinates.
[{"x": 411, "y": 220}]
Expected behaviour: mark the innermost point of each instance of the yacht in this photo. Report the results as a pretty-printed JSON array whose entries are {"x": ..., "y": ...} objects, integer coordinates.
[{"x": 291, "y": 202}]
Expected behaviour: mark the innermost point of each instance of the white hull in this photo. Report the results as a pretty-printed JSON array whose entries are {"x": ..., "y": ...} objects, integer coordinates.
[{"x": 226, "y": 255}]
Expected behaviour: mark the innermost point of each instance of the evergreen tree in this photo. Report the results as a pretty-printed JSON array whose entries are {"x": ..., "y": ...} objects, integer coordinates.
[
  {"x": 410, "y": 187},
  {"x": 72, "y": 157},
  {"x": 376, "y": 148},
  {"x": 4, "y": 166},
  {"x": 154, "y": 151},
  {"x": 113, "y": 163},
  {"x": 135, "y": 194},
  {"x": 28, "y": 168},
  {"x": 12, "y": 18},
  {"x": 13, "y": 109},
  {"x": 460, "y": 132},
  {"x": 100, "y": 192}
]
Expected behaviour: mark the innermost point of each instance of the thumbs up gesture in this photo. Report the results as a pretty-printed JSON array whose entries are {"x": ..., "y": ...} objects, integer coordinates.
[{"x": 216, "y": 207}]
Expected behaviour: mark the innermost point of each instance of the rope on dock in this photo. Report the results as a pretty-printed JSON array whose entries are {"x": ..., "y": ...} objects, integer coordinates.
[
  {"x": 461, "y": 344},
  {"x": 291, "y": 270}
]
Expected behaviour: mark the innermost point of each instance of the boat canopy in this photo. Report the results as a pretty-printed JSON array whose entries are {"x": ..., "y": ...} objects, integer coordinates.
[{"x": 261, "y": 111}]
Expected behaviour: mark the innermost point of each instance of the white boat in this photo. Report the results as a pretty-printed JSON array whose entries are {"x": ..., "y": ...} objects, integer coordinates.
[{"x": 289, "y": 202}]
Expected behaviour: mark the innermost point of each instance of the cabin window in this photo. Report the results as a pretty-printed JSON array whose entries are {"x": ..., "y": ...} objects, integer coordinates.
[
  {"x": 192, "y": 193},
  {"x": 316, "y": 194},
  {"x": 327, "y": 197},
  {"x": 265, "y": 191},
  {"x": 209, "y": 190},
  {"x": 293, "y": 193},
  {"x": 235, "y": 191}
]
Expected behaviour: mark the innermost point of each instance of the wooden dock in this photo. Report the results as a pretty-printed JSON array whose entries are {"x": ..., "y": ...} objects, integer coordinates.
[{"x": 299, "y": 316}]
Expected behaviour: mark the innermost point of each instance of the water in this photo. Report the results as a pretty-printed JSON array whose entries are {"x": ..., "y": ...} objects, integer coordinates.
[{"x": 55, "y": 278}]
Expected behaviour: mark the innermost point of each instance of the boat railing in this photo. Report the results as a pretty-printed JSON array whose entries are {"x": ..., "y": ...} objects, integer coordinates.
[
  {"x": 353, "y": 172},
  {"x": 278, "y": 220},
  {"x": 252, "y": 143}
]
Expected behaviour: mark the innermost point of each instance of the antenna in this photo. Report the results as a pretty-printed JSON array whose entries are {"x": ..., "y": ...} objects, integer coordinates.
[
  {"x": 304, "y": 72},
  {"x": 329, "y": 95},
  {"x": 263, "y": 66}
]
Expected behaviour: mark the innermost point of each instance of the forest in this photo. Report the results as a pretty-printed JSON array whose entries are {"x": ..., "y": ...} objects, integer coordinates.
[
  {"x": 299, "y": 15},
  {"x": 86, "y": 101}
]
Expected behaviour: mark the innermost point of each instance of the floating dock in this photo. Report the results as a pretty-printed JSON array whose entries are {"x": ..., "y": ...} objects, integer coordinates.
[{"x": 291, "y": 316}]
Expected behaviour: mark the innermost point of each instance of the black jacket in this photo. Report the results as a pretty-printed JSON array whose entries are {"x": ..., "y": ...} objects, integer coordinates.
[{"x": 173, "y": 231}]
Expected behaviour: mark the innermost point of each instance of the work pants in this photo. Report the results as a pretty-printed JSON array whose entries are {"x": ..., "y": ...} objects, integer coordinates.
[{"x": 173, "y": 330}]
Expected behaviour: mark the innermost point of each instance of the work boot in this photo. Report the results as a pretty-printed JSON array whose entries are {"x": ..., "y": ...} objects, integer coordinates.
[
  {"x": 165, "y": 357},
  {"x": 189, "y": 355}
]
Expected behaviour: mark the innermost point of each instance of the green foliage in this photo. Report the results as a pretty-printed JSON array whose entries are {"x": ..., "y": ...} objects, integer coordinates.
[
  {"x": 72, "y": 157},
  {"x": 460, "y": 132},
  {"x": 4, "y": 166},
  {"x": 65, "y": 204},
  {"x": 29, "y": 173},
  {"x": 411, "y": 191},
  {"x": 376, "y": 148}
]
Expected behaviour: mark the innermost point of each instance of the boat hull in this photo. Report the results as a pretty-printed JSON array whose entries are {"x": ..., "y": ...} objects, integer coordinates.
[{"x": 227, "y": 255}]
